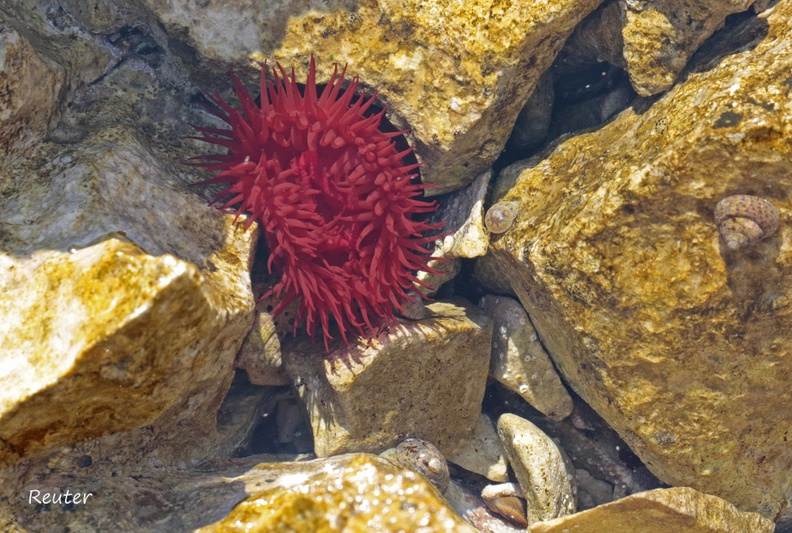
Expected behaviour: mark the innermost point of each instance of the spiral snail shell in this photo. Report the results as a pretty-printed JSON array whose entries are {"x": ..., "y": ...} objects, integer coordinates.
[
  {"x": 744, "y": 220},
  {"x": 500, "y": 217},
  {"x": 422, "y": 457}
]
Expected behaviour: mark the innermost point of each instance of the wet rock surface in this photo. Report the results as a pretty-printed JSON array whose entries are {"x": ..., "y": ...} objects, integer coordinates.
[
  {"x": 677, "y": 509},
  {"x": 661, "y": 327},
  {"x": 634, "y": 229},
  {"x": 408, "y": 381}
]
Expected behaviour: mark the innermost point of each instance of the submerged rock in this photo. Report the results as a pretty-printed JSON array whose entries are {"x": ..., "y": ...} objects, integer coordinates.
[
  {"x": 683, "y": 349},
  {"x": 423, "y": 378},
  {"x": 660, "y": 511}
]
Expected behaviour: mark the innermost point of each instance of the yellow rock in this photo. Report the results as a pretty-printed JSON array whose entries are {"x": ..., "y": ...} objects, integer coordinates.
[
  {"x": 100, "y": 336},
  {"x": 681, "y": 344},
  {"x": 364, "y": 494},
  {"x": 422, "y": 379},
  {"x": 677, "y": 510},
  {"x": 455, "y": 73}
]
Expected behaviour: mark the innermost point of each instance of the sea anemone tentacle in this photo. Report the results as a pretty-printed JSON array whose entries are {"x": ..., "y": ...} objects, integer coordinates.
[{"x": 341, "y": 212}]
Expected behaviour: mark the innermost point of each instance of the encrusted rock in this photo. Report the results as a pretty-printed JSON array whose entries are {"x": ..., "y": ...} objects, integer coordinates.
[
  {"x": 660, "y": 511},
  {"x": 358, "y": 494},
  {"x": 421, "y": 378},
  {"x": 456, "y": 73},
  {"x": 661, "y": 35},
  {"x": 520, "y": 362},
  {"x": 124, "y": 301},
  {"x": 483, "y": 453},
  {"x": 616, "y": 257},
  {"x": 546, "y": 476}
]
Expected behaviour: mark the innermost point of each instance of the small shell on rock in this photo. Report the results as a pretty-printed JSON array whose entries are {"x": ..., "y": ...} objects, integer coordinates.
[
  {"x": 422, "y": 457},
  {"x": 744, "y": 220},
  {"x": 500, "y": 217},
  {"x": 506, "y": 499}
]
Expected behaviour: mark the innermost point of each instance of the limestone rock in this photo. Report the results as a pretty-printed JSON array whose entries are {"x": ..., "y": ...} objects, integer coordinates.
[
  {"x": 30, "y": 88},
  {"x": 124, "y": 301},
  {"x": 545, "y": 475},
  {"x": 677, "y": 341},
  {"x": 661, "y": 35},
  {"x": 420, "y": 379},
  {"x": 362, "y": 494},
  {"x": 457, "y": 74},
  {"x": 483, "y": 453},
  {"x": 520, "y": 362},
  {"x": 652, "y": 40},
  {"x": 661, "y": 511}
]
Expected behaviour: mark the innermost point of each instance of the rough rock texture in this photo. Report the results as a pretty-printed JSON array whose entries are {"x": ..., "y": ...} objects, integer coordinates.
[
  {"x": 661, "y": 35},
  {"x": 167, "y": 500},
  {"x": 462, "y": 214},
  {"x": 260, "y": 355},
  {"x": 456, "y": 74},
  {"x": 661, "y": 511},
  {"x": 483, "y": 453},
  {"x": 29, "y": 90},
  {"x": 123, "y": 298},
  {"x": 520, "y": 362},
  {"x": 355, "y": 494},
  {"x": 678, "y": 342},
  {"x": 420, "y": 379},
  {"x": 546, "y": 476},
  {"x": 652, "y": 40}
]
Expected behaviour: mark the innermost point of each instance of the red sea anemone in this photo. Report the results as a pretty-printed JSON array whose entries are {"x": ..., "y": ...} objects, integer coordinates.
[{"x": 332, "y": 194}]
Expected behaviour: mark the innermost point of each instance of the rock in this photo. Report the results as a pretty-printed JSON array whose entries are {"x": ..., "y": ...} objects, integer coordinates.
[
  {"x": 533, "y": 122},
  {"x": 591, "y": 491},
  {"x": 463, "y": 215},
  {"x": 362, "y": 494},
  {"x": 260, "y": 355},
  {"x": 661, "y": 35},
  {"x": 483, "y": 453},
  {"x": 545, "y": 475},
  {"x": 456, "y": 74},
  {"x": 487, "y": 273},
  {"x": 519, "y": 361},
  {"x": 30, "y": 88},
  {"x": 124, "y": 302},
  {"x": 675, "y": 339},
  {"x": 225, "y": 491},
  {"x": 420, "y": 379},
  {"x": 240, "y": 416},
  {"x": 660, "y": 510},
  {"x": 595, "y": 448},
  {"x": 652, "y": 40}
]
